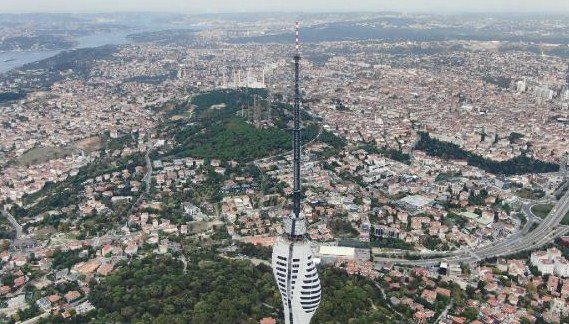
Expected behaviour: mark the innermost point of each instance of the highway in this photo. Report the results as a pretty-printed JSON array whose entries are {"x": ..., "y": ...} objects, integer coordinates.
[
  {"x": 147, "y": 179},
  {"x": 13, "y": 221},
  {"x": 526, "y": 239},
  {"x": 148, "y": 176},
  {"x": 560, "y": 189}
]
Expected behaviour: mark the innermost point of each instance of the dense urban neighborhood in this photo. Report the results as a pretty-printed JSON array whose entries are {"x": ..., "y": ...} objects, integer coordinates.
[{"x": 147, "y": 181}]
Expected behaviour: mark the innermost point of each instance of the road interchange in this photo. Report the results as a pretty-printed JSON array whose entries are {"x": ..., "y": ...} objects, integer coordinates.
[{"x": 526, "y": 239}]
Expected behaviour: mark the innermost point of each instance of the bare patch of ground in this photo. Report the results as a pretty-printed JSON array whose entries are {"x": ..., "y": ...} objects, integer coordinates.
[
  {"x": 43, "y": 154},
  {"x": 90, "y": 144}
]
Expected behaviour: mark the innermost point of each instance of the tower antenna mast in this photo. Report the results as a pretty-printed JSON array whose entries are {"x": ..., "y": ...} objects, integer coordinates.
[
  {"x": 296, "y": 130},
  {"x": 293, "y": 266}
]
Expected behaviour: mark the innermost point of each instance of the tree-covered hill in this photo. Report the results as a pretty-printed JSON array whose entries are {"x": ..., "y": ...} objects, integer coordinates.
[
  {"x": 232, "y": 139},
  {"x": 156, "y": 290},
  {"x": 218, "y": 290},
  {"x": 351, "y": 299},
  {"x": 218, "y": 128},
  {"x": 518, "y": 165}
]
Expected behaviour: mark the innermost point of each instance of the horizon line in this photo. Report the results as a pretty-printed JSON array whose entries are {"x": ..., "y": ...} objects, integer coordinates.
[{"x": 190, "y": 13}]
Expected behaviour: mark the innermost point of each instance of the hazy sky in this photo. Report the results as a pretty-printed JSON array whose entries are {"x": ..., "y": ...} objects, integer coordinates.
[{"x": 211, "y": 6}]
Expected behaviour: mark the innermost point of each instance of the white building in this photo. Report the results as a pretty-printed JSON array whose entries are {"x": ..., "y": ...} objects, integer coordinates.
[
  {"x": 521, "y": 86},
  {"x": 550, "y": 262},
  {"x": 295, "y": 272},
  {"x": 561, "y": 267},
  {"x": 294, "y": 267},
  {"x": 337, "y": 251}
]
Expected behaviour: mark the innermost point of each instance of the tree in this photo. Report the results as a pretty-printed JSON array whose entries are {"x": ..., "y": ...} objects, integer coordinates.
[
  {"x": 531, "y": 287},
  {"x": 470, "y": 313},
  {"x": 465, "y": 268}
]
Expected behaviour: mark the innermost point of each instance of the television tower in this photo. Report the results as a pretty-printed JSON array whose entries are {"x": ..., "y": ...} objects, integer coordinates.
[
  {"x": 293, "y": 265},
  {"x": 567, "y": 77},
  {"x": 563, "y": 165}
]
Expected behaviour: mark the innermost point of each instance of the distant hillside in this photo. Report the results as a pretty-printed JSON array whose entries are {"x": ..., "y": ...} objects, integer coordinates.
[{"x": 399, "y": 29}]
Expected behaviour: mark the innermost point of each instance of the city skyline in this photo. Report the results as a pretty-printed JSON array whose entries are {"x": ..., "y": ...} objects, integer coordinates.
[{"x": 436, "y": 6}]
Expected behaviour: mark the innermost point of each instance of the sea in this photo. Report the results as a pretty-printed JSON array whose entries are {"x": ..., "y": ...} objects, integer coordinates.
[{"x": 12, "y": 60}]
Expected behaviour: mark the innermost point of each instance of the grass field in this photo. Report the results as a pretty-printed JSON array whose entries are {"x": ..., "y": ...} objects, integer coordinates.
[
  {"x": 541, "y": 210},
  {"x": 42, "y": 154},
  {"x": 530, "y": 194}
]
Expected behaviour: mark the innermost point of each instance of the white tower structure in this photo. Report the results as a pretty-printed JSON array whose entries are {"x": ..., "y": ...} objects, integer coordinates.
[{"x": 293, "y": 265}]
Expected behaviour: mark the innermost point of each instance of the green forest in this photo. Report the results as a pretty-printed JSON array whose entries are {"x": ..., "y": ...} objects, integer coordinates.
[
  {"x": 389, "y": 153},
  {"x": 351, "y": 299},
  {"x": 518, "y": 165},
  {"x": 221, "y": 133},
  {"x": 232, "y": 139},
  {"x": 11, "y": 96},
  {"x": 214, "y": 290},
  {"x": 332, "y": 140},
  {"x": 156, "y": 290},
  {"x": 233, "y": 100}
]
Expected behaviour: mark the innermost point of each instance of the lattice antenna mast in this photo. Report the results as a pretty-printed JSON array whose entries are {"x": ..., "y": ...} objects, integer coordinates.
[
  {"x": 563, "y": 165},
  {"x": 296, "y": 130},
  {"x": 295, "y": 225},
  {"x": 567, "y": 77},
  {"x": 292, "y": 262}
]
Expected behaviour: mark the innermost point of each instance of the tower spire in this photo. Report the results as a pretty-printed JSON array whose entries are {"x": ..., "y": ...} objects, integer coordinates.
[
  {"x": 295, "y": 226},
  {"x": 567, "y": 77},
  {"x": 296, "y": 130},
  {"x": 297, "y": 46},
  {"x": 293, "y": 266}
]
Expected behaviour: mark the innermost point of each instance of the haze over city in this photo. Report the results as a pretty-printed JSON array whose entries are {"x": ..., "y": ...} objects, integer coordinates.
[{"x": 216, "y": 6}]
